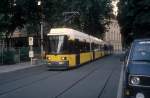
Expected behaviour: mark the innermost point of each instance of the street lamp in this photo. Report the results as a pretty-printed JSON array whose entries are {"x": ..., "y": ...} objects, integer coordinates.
[
  {"x": 14, "y": 4},
  {"x": 39, "y": 3}
]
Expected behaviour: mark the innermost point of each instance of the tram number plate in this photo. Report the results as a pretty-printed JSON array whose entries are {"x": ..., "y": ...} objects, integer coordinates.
[{"x": 55, "y": 62}]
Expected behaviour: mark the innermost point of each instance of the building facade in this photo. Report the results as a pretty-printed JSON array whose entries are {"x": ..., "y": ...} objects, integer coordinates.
[{"x": 113, "y": 36}]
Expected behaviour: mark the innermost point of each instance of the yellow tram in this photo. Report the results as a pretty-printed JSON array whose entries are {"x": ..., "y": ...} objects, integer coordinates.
[{"x": 69, "y": 48}]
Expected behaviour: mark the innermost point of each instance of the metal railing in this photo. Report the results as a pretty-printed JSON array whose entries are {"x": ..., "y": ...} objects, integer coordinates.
[{"x": 17, "y": 55}]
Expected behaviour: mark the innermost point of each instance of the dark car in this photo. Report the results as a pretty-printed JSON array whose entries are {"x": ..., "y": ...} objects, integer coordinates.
[{"x": 136, "y": 78}]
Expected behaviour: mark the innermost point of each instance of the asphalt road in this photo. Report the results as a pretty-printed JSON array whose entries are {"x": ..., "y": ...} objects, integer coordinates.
[{"x": 98, "y": 79}]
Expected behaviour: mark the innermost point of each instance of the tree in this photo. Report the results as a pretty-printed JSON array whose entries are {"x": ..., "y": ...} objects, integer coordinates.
[
  {"x": 10, "y": 18},
  {"x": 134, "y": 19},
  {"x": 26, "y": 13},
  {"x": 91, "y": 18}
]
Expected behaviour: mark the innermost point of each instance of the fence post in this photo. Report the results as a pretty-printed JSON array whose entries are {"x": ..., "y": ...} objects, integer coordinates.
[
  {"x": 19, "y": 56},
  {"x": 2, "y": 55},
  {"x": 2, "y": 51}
]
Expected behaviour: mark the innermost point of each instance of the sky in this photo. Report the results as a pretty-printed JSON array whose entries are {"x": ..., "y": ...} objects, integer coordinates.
[{"x": 115, "y": 8}]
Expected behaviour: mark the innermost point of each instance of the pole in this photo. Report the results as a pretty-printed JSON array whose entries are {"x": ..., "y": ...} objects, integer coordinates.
[
  {"x": 3, "y": 50},
  {"x": 39, "y": 3},
  {"x": 42, "y": 39},
  {"x": 31, "y": 57},
  {"x": 90, "y": 43},
  {"x": 31, "y": 61},
  {"x": 19, "y": 56},
  {"x": 91, "y": 47}
]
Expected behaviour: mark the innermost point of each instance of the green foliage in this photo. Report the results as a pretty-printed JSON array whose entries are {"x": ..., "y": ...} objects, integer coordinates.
[
  {"x": 28, "y": 13},
  {"x": 134, "y": 19}
]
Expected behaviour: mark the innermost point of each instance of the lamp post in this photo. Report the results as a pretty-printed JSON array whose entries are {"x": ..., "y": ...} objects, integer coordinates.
[
  {"x": 14, "y": 4},
  {"x": 39, "y": 3}
]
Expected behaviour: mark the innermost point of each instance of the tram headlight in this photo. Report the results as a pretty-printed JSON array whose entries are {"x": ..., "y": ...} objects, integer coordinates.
[
  {"x": 64, "y": 58},
  {"x": 49, "y": 58},
  {"x": 134, "y": 80}
]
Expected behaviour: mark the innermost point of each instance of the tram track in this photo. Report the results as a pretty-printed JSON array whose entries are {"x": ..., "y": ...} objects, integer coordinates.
[
  {"x": 107, "y": 80},
  {"x": 27, "y": 75},
  {"x": 90, "y": 81},
  {"x": 85, "y": 78},
  {"x": 20, "y": 86},
  {"x": 79, "y": 80}
]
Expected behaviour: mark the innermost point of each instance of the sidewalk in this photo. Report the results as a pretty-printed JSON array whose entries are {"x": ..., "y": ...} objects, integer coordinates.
[{"x": 19, "y": 66}]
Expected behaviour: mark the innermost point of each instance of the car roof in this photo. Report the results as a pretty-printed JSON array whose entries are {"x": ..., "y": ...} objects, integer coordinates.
[{"x": 144, "y": 39}]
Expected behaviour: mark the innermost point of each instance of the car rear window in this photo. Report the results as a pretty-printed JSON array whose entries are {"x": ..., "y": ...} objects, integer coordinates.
[{"x": 141, "y": 51}]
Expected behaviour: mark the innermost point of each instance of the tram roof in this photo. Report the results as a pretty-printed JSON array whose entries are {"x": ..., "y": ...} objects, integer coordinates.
[{"x": 74, "y": 34}]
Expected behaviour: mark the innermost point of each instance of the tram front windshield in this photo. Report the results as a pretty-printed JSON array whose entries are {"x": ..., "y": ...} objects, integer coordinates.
[{"x": 57, "y": 44}]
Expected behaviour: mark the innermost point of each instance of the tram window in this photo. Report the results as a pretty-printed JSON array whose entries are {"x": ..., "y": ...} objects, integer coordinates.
[
  {"x": 101, "y": 48},
  {"x": 96, "y": 47},
  {"x": 82, "y": 46},
  {"x": 71, "y": 46},
  {"x": 77, "y": 46},
  {"x": 88, "y": 46},
  {"x": 105, "y": 47},
  {"x": 92, "y": 46}
]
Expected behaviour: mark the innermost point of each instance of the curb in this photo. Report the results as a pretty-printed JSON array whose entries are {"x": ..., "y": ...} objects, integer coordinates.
[{"x": 9, "y": 68}]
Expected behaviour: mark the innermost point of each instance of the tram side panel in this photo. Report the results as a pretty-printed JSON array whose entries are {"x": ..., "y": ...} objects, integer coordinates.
[
  {"x": 86, "y": 57},
  {"x": 98, "y": 54}
]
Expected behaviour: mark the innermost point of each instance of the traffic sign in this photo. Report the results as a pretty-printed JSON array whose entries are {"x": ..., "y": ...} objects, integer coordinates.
[
  {"x": 31, "y": 54},
  {"x": 31, "y": 41}
]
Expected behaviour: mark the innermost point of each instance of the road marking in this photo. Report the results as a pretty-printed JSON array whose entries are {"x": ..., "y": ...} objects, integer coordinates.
[{"x": 119, "y": 94}]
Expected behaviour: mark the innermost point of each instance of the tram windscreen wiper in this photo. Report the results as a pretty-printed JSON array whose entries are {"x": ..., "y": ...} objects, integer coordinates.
[{"x": 56, "y": 44}]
